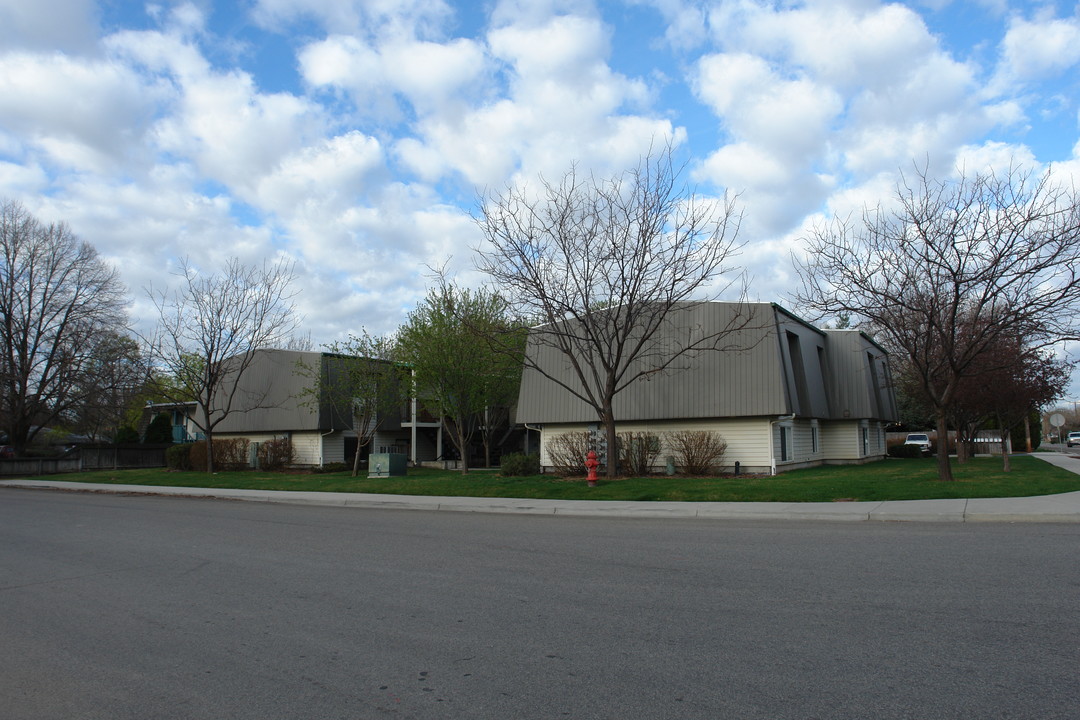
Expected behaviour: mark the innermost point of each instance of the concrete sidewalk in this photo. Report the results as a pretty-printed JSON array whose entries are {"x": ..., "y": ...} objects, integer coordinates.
[{"x": 1046, "y": 508}]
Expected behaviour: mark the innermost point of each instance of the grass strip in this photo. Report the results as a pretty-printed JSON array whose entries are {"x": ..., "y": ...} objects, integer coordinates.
[{"x": 907, "y": 479}]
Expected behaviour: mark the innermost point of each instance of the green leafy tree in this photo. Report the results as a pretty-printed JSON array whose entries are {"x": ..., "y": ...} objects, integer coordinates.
[{"x": 457, "y": 371}]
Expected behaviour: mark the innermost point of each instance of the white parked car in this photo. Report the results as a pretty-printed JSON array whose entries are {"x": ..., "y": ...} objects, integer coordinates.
[
  {"x": 1073, "y": 439},
  {"x": 922, "y": 440}
]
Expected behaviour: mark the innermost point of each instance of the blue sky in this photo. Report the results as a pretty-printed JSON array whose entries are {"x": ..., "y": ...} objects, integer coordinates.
[{"x": 353, "y": 137}]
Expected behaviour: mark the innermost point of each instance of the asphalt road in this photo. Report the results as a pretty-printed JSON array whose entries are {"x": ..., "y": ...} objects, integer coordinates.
[{"x": 158, "y": 608}]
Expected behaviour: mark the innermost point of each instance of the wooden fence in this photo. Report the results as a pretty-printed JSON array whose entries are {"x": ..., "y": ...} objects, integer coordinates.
[{"x": 95, "y": 457}]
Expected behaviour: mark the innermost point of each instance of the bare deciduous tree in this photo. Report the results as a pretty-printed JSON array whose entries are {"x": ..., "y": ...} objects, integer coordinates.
[
  {"x": 209, "y": 329},
  {"x": 602, "y": 264},
  {"x": 57, "y": 298},
  {"x": 949, "y": 269},
  {"x": 117, "y": 375}
]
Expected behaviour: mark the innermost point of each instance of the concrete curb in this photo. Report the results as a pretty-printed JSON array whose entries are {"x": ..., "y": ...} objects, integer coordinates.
[{"x": 1064, "y": 508}]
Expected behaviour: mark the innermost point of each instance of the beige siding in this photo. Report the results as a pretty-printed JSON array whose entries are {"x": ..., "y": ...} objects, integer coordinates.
[
  {"x": 840, "y": 440},
  {"x": 845, "y": 441},
  {"x": 746, "y": 438},
  {"x": 307, "y": 446}
]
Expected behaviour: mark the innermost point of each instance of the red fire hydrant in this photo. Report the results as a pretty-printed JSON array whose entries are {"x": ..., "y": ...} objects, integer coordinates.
[{"x": 591, "y": 463}]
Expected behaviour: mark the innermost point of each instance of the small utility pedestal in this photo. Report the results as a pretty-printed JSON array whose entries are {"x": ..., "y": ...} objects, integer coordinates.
[{"x": 382, "y": 465}]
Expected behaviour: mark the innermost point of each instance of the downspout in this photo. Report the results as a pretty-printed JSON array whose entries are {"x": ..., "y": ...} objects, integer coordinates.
[
  {"x": 527, "y": 429},
  {"x": 412, "y": 430},
  {"x": 322, "y": 453},
  {"x": 772, "y": 445}
]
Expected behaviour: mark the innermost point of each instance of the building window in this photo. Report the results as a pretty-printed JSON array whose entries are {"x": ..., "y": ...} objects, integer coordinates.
[
  {"x": 865, "y": 441},
  {"x": 785, "y": 443},
  {"x": 814, "y": 439}
]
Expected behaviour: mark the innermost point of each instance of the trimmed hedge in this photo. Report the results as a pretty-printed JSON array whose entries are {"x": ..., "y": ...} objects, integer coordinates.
[
  {"x": 178, "y": 457},
  {"x": 229, "y": 454},
  {"x": 519, "y": 465},
  {"x": 275, "y": 455},
  {"x": 905, "y": 451}
]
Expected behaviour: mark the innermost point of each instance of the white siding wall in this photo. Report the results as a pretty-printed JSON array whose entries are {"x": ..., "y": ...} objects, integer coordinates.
[
  {"x": 843, "y": 440},
  {"x": 747, "y": 439},
  {"x": 334, "y": 448},
  {"x": 305, "y": 444},
  {"x": 802, "y": 444},
  {"x": 384, "y": 440},
  {"x": 840, "y": 439}
]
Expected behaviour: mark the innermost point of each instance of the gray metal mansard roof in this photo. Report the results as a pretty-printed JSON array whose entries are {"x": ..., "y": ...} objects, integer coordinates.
[{"x": 772, "y": 363}]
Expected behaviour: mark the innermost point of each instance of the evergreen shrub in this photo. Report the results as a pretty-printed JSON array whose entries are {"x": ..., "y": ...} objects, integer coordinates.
[{"x": 159, "y": 430}]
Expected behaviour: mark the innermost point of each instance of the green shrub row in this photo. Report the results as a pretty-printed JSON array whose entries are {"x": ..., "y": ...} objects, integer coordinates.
[
  {"x": 230, "y": 454},
  {"x": 519, "y": 465},
  {"x": 905, "y": 451}
]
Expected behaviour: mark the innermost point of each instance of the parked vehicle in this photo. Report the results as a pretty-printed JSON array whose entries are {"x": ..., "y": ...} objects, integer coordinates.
[
  {"x": 920, "y": 439},
  {"x": 1073, "y": 439}
]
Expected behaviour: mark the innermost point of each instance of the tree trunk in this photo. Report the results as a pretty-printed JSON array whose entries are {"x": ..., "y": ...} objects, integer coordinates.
[
  {"x": 1006, "y": 465},
  {"x": 463, "y": 451},
  {"x": 486, "y": 435},
  {"x": 1027, "y": 431},
  {"x": 209, "y": 452},
  {"x": 612, "y": 455},
  {"x": 356, "y": 458},
  {"x": 944, "y": 469}
]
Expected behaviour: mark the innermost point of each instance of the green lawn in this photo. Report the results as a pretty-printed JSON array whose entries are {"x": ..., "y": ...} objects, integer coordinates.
[{"x": 909, "y": 479}]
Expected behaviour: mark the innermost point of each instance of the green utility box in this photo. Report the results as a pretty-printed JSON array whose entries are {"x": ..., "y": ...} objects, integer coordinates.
[{"x": 386, "y": 465}]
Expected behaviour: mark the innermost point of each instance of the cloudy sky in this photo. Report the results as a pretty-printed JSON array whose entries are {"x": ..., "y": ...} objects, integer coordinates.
[{"x": 354, "y": 136}]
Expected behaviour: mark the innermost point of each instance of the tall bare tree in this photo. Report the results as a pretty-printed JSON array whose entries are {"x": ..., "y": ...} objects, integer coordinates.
[
  {"x": 209, "y": 329},
  {"x": 116, "y": 379},
  {"x": 57, "y": 298},
  {"x": 601, "y": 264},
  {"x": 950, "y": 268}
]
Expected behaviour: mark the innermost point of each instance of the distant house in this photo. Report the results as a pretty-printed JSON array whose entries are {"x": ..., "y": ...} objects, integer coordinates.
[
  {"x": 784, "y": 395},
  {"x": 277, "y": 398}
]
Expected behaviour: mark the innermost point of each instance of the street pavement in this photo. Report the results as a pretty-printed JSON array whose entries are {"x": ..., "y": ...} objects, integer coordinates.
[{"x": 1064, "y": 507}]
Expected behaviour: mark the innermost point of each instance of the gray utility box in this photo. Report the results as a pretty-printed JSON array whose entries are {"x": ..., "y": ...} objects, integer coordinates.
[{"x": 386, "y": 465}]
